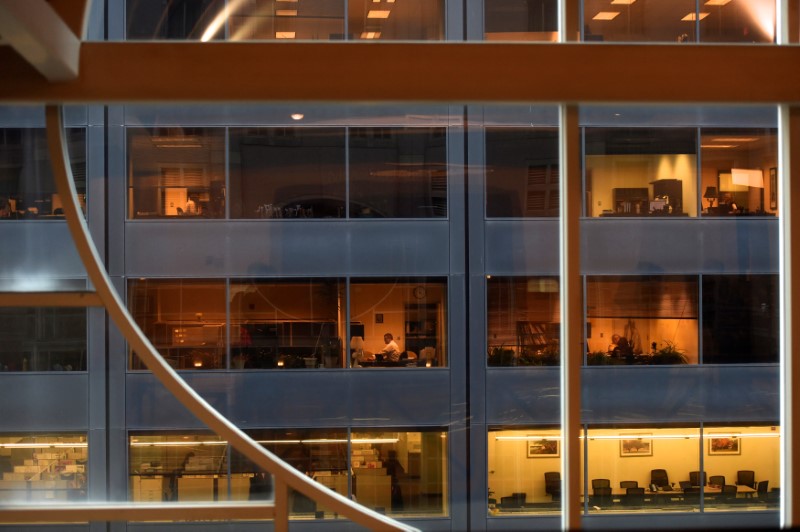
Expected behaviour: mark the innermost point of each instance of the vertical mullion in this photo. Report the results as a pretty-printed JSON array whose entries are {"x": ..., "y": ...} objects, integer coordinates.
[
  {"x": 789, "y": 148},
  {"x": 571, "y": 314}
]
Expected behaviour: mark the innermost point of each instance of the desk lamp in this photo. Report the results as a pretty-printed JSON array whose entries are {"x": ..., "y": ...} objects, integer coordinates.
[{"x": 710, "y": 195}]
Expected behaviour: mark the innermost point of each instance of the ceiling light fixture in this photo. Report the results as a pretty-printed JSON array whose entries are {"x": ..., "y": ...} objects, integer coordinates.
[
  {"x": 378, "y": 13},
  {"x": 717, "y": 2},
  {"x": 719, "y": 146},
  {"x": 734, "y": 139},
  {"x": 693, "y": 16},
  {"x": 371, "y": 35},
  {"x": 284, "y": 35},
  {"x": 606, "y": 15},
  {"x": 285, "y": 12},
  {"x": 297, "y": 116},
  {"x": 623, "y": 2}
]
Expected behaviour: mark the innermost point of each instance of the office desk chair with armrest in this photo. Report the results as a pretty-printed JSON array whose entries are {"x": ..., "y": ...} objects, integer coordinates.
[
  {"x": 601, "y": 497},
  {"x": 746, "y": 478},
  {"x": 659, "y": 478},
  {"x": 697, "y": 479},
  {"x": 625, "y": 484},
  {"x": 716, "y": 480},
  {"x": 552, "y": 484},
  {"x": 600, "y": 483},
  {"x": 633, "y": 497}
]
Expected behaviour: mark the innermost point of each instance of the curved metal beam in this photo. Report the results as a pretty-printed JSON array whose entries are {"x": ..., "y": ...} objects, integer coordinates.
[{"x": 224, "y": 428}]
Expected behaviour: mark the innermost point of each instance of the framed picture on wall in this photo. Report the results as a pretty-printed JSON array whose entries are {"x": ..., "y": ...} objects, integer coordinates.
[
  {"x": 636, "y": 445},
  {"x": 543, "y": 448},
  {"x": 773, "y": 188},
  {"x": 724, "y": 444}
]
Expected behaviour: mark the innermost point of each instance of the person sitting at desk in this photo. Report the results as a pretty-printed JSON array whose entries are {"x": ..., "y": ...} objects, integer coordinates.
[
  {"x": 727, "y": 205},
  {"x": 391, "y": 351}
]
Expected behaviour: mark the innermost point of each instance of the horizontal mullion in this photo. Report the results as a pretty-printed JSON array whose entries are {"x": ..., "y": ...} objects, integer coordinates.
[
  {"x": 50, "y": 299},
  {"x": 116, "y": 72},
  {"x": 83, "y": 513}
]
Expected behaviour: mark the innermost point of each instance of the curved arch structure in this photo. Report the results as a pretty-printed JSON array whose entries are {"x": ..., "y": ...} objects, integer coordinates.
[{"x": 285, "y": 476}]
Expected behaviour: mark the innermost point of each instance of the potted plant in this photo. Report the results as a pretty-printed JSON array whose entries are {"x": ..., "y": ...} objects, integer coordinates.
[{"x": 669, "y": 354}]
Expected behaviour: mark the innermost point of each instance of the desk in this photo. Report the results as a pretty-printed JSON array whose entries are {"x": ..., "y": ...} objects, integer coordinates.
[{"x": 745, "y": 491}]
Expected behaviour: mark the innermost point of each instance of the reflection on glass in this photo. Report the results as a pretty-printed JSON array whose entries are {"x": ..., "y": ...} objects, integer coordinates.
[
  {"x": 398, "y": 172},
  {"x": 43, "y": 339},
  {"x": 739, "y": 171},
  {"x": 642, "y": 320},
  {"x": 27, "y": 189},
  {"x": 177, "y": 19},
  {"x": 319, "y": 20},
  {"x": 521, "y": 20},
  {"x": 176, "y": 172},
  {"x": 184, "y": 319},
  {"x": 287, "y": 173},
  {"x": 43, "y": 468},
  {"x": 522, "y": 172},
  {"x": 523, "y": 319},
  {"x": 641, "y": 172},
  {"x": 740, "y": 318},
  {"x": 726, "y": 21},
  {"x": 524, "y": 470},
  {"x": 287, "y": 324},
  {"x": 399, "y": 472},
  {"x": 398, "y": 322}
]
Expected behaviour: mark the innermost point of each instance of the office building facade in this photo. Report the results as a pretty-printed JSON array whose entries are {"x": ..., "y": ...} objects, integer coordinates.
[{"x": 372, "y": 291}]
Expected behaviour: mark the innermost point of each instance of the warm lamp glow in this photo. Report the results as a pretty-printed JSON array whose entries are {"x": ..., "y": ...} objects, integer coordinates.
[
  {"x": 378, "y": 13},
  {"x": 297, "y": 116}
]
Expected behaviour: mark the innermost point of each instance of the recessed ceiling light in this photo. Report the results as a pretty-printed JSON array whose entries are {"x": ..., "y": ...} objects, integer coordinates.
[
  {"x": 371, "y": 35},
  {"x": 285, "y": 12},
  {"x": 606, "y": 15},
  {"x": 378, "y": 13},
  {"x": 284, "y": 34},
  {"x": 734, "y": 139},
  {"x": 693, "y": 16},
  {"x": 717, "y": 2},
  {"x": 297, "y": 116},
  {"x": 718, "y": 146},
  {"x": 292, "y": 1},
  {"x": 625, "y": 2}
]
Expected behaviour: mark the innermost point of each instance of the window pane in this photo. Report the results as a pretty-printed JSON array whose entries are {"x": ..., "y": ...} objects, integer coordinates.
[
  {"x": 270, "y": 19},
  {"x": 27, "y": 189},
  {"x": 289, "y": 324},
  {"x": 746, "y": 458},
  {"x": 399, "y": 472},
  {"x": 287, "y": 173},
  {"x": 43, "y": 468},
  {"x": 642, "y": 320},
  {"x": 181, "y": 467},
  {"x": 522, "y": 172},
  {"x": 739, "y": 171},
  {"x": 740, "y": 318},
  {"x": 400, "y": 322},
  {"x": 750, "y": 21},
  {"x": 398, "y": 173},
  {"x": 176, "y": 19},
  {"x": 521, "y": 20},
  {"x": 647, "y": 469},
  {"x": 406, "y": 20},
  {"x": 524, "y": 470},
  {"x": 641, "y": 171},
  {"x": 523, "y": 321},
  {"x": 176, "y": 172},
  {"x": 43, "y": 339},
  {"x": 185, "y": 321}
]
